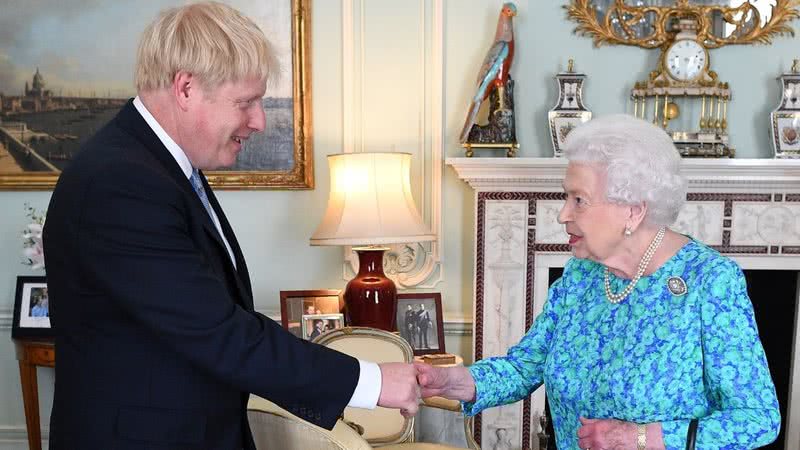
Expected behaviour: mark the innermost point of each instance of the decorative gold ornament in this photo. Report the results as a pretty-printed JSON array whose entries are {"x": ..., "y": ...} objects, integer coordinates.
[
  {"x": 744, "y": 23},
  {"x": 684, "y": 76},
  {"x": 672, "y": 111},
  {"x": 684, "y": 32}
]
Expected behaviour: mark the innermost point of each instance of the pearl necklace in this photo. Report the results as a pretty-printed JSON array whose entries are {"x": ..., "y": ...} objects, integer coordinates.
[{"x": 648, "y": 255}]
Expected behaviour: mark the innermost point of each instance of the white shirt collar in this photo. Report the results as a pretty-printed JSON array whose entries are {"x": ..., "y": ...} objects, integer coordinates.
[
  {"x": 183, "y": 161},
  {"x": 173, "y": 148}
]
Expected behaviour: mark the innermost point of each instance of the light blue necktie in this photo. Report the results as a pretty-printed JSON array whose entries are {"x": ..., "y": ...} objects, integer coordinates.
[{"x": 197, "y": 185}]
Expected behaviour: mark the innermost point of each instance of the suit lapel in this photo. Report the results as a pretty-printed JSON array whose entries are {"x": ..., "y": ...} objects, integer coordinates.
[
  {"x": 131, "y": 121},
  {"x": 242, "y": 275}
]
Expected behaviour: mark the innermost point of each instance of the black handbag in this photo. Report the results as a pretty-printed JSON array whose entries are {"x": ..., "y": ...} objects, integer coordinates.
[{"x": 691, "y": 435}]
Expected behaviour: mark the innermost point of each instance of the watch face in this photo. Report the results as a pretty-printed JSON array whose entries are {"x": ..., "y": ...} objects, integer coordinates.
[{"x": 685, "y": 59}]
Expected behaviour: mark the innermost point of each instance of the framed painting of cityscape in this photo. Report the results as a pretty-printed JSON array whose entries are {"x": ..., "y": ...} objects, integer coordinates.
[{"x": 66, "y": 68}]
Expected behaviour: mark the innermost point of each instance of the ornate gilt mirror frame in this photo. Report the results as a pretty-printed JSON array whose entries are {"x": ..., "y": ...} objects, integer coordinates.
[
  {"x": 617, "y": 24},
  {"x": 23, "y": 167}
]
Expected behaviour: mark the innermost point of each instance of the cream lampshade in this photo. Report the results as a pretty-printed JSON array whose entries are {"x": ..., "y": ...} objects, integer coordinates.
[{"x": 370, "y": 204}]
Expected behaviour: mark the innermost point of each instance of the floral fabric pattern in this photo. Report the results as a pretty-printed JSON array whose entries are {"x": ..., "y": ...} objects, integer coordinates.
[{"x": 654, "y": 357}]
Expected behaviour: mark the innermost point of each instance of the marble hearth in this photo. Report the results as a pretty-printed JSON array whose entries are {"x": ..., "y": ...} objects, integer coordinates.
[{"x": 748, "y": 209}]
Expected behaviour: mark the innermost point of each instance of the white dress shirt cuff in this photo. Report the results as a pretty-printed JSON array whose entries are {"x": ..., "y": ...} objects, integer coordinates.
[{"x": 368, "y": 389}]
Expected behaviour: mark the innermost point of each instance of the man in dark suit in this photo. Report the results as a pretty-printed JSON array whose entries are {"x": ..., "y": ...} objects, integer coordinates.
[
  {"x": 157, "y": 341},
  {"x": 410, "y": 326},
  {"x": 423, "y": 322},
  {"x": 318, "y": 329}
]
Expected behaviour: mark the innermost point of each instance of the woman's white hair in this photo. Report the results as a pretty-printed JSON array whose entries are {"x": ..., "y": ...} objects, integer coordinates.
[{"x": 641, "y": 162}]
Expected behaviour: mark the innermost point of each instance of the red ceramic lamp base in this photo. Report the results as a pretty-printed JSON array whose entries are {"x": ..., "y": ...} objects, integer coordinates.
[{"x": 371, "y": 297}]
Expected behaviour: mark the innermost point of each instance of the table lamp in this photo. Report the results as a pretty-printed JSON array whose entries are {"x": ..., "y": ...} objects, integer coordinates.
[{"x": 370, "y": 205}]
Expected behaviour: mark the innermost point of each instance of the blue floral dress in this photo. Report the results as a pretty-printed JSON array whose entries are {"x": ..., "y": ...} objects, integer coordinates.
[{"x": 654, "y": 357}]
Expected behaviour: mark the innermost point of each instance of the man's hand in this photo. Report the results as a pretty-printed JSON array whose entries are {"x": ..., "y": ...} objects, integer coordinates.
[
  {"x": 399, "y": 388},
  {"x": 455, "y": 383}
]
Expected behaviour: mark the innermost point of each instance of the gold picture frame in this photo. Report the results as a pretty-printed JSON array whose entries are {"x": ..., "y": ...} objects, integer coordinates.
[{"x": 295, "y": 173}]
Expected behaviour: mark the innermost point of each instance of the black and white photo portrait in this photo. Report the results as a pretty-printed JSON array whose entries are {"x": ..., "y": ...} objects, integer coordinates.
[{"x": 419, "y": 321}]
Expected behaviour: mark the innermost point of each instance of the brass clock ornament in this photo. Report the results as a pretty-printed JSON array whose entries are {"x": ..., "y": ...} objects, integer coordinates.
[
  {"x": 684, "y": 84},
  {"x": 683, "y": 94}
]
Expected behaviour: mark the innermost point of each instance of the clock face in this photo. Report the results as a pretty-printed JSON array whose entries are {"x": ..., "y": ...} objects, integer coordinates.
[{"x": 685, "y": 59}]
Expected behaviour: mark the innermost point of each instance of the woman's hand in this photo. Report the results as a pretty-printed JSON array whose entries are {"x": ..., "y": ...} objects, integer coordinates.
[
  {"x": 455, "y": 383},
  {"x": 612, "y": 434}
]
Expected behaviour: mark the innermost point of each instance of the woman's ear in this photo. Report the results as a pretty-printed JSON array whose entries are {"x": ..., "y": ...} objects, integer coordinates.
[{"x": 637, "y": 214}]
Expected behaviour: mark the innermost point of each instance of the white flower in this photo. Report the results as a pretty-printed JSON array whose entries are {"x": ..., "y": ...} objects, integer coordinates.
[{"x": 32, "y": 248}]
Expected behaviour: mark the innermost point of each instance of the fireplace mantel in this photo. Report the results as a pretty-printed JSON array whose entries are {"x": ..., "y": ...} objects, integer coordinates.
[
  {"x": 748, "y": 209},
  {"x": 526, "y": 173}
]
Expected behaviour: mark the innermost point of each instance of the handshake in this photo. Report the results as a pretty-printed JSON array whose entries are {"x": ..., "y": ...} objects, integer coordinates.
[{"x": 404, "y": 385}]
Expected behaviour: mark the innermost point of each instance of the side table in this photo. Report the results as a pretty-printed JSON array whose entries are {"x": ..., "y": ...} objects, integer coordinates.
[{"x": 30, "y": 354}]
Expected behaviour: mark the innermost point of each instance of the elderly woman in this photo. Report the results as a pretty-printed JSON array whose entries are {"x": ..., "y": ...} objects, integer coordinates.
[{"x": 646, "y": 329}]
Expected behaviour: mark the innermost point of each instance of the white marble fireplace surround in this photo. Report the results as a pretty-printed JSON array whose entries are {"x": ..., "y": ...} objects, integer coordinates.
[{"x": 748, "y": 209}]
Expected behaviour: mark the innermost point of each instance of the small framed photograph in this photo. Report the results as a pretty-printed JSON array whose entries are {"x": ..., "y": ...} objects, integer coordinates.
[
  {"x": 31, "y": 309},
  {"x": 296, "y": 304},
  {"x": 786, "y": 134},
  {"x": 419, "y": 320},
  {"x": 561, "y": 124},
  {"x": 316, "y": 324}
]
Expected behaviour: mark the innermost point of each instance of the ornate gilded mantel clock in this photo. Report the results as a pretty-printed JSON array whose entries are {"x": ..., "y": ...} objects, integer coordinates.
[
  {"x": 683, "y": 94},
  {"x": 682, "y": 78}
]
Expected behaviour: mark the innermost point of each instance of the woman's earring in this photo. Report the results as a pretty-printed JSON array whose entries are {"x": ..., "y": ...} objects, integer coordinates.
[{"x": 628, "y": 231}]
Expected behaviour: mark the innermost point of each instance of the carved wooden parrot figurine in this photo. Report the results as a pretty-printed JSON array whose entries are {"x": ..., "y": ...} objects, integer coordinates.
[{"x": 496, "y": 65}]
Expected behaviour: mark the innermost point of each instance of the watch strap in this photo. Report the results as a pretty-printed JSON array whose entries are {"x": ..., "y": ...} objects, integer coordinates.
[{"x": 641, "y": 438}]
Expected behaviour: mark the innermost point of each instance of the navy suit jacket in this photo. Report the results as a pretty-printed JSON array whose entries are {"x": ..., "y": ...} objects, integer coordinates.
[{"x": 157, "y": 341}]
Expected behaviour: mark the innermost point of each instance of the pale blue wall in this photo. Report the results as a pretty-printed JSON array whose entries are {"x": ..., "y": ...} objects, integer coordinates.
[{"x": 274, "y": 226}]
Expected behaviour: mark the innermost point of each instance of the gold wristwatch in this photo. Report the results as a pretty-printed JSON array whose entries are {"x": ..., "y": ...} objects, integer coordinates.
[{"x": 641, "y": 439}]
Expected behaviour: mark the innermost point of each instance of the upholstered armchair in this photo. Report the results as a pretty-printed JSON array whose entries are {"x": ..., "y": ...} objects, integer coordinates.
[
  {"x": 276, "y": 428},
  {"x": 358, "y": 429}
]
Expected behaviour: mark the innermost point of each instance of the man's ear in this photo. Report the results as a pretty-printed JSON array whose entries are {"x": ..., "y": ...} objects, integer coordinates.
[
  {"x": 183, "y": 88},
  {"x": 637, "y": 213}
]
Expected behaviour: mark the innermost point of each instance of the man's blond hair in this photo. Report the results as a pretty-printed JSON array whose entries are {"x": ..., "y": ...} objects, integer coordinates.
[{"x": 212, "y": 41}]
